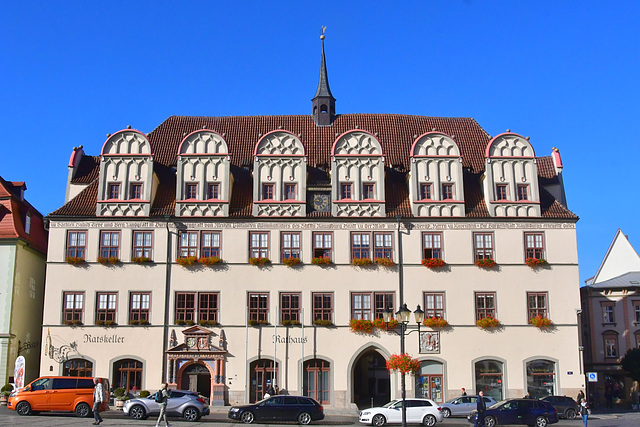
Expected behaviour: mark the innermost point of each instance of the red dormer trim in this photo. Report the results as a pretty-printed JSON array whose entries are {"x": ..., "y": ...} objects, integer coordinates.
[
  {"x": 102, "y": 153},
  {"x": 415, "y": 141},
  {"x": 486, "y": 150},
  {"x": 255, "y": 148},
  {"x": 333, "y": 147},
  {"x": 202, "y": 154}
]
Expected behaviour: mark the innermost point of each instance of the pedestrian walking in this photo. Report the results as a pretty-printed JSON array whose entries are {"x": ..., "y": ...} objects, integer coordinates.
[
  {"x": 162, "y": 396},
  {"x": 464, "y": 392},
  {"x": 580, "y": 396},
  {"x": 584, "y": 411},
  {"x": 481, "y": 407},
  {"x": 98, "y": 398}
]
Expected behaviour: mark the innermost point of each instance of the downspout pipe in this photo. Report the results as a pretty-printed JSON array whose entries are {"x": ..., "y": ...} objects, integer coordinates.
[{"x": 167, "y": 294}]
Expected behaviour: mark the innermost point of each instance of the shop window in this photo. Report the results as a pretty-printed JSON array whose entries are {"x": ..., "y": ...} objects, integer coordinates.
[
  {"x": 489, "y": 378},
  {"x": 541, "y": 378},
  {"x": 429, "y": 381},
  {"x": 77, "y": 368},
  {"x": 127, "y": 373}
]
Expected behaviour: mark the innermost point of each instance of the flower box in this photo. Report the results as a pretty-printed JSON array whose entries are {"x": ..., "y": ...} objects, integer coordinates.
[
  {"x": 540, "y": 322},
  {"x": 403, "y": 363},
  {"x": 485, "y": 263},
  {"x": 488, "y": 322},
  {"x": 535, "y": 262},
  {"x": 208, "y": 322},
  {"x": 361, "y": 262},
  {"x": 321, "y": 261},
  {"x": 291, "y": 261},
  {"x": 73, "y": 322},
  {"x": 210, "y": 260},
  {"x": 360, "y": 325},
  {"x": 260, "y": 262},
  {"x": 322, "y": 322},
  {"x": 290, "y": 323},
  {"x": 140, "y": 259},
  {"x": 435, "y": 322},
  {"x": 433, "y": 262},
  {"x": 380, "y": 324},
  {"x": 139, "y": 322},
  {"x": 106, "y": 323},
  {"x": 187, "y": 260},
  {"x": 385, "y": 262},
  {"x": 108, "y": 260},
  {"x": 253, "y": 322},
  {"x": 181, "y": 322},
  {"x": 75, "y": 260}
]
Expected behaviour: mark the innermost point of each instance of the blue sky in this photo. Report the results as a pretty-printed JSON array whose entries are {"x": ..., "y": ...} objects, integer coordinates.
[{"x": 563, "y": 73}]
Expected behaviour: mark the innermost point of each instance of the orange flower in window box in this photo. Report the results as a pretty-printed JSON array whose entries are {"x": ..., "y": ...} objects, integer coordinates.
[
  {"x": 187, "y": 260},
  {"x": 380, "y": 324},
  {"x": 321, "y": 260},
  {"x": 259, "y": 261},
  {"x": 485, "y": 263},
  {"x": 488, "y": 322},
  {"x": 403, "y": 363},
  {"x": 433, "y": 263},
  {"x": 108, "y": 260},
  {"x": 361, "y": 262},
  {"x": 210, "y": 260},
  {"x": 435, "y": 322},
  {"x": 291, "y": 261},
  {"x": 384, "y": 261},
  {"x": 75, "y": 260},
  {"x": 535, "y": 262},
  {"x": 361, "y": 325},
  {"x": 141, "y": 259},
  {"x": 540, "y": 322}
]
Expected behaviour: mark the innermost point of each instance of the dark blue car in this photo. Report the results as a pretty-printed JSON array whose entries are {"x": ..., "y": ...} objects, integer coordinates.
[{"x": 530, "y": 412}]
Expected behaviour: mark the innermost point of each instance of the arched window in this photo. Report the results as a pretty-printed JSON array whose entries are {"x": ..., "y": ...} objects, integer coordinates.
[
  {"x": 316, "y": 380},
  {"x": 541, "y": 378},
  {"x": 127, "y": 373},
  {"x": 77, "y": 368},
  {"x": 489, "y": 378},
  {"x": 429, "y": 380},
  {"x": 323, "y": 108}
]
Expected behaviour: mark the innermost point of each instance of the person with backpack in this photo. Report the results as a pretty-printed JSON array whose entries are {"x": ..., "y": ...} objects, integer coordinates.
[{"x": 161, "y": 397}]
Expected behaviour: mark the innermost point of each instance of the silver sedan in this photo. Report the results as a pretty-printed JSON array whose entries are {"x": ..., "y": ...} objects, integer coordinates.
[
  {"x": 182, "y": 403},
  {"x": 463, "y": 405}
]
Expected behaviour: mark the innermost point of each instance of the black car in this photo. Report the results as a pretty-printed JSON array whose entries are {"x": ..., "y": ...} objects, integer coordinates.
[
  {"x": 530, "y": 412},
  {"x": 279, "y": 408},
  {"x": 565, "y": 405}
]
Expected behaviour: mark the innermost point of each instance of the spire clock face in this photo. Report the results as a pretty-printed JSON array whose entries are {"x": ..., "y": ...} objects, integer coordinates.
[{"x": 321, "y": 202}]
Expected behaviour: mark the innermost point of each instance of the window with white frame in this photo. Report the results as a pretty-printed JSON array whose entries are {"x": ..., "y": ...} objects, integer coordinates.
[
  {"x": 210, "y": 241},
  {"x": 188, "y": 244},
  {"x": 383, "y": 245},
  {"x": 106, "y": 307},
  {"x": 483, "y": 245},
  {"x": 258, "y": 244},
  {"x": 431, "y": 245},
  {"x": 73, "y": 307},
  {"x": 608, "y": 312},
  {"x": 485, "y": 305},
  {"x": 434, "y": 304},
  {"x": 290, "y": 244},
  {"x": 360, "y": 245},
  {"x": 534, "y": 245},
  {"x": 322, "y": 244},
  {"x": 109, "y": 244},
  {"x": 610, "y": 344},
  {"x": 142, "y": 244}
]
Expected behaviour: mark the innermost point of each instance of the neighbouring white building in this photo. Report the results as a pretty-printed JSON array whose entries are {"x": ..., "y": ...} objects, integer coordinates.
[{"x": 336, "y": 192}]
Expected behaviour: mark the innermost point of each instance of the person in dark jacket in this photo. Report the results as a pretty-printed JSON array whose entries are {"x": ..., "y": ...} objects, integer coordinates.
[
  {"x": 482, "y": 407},
  {"x": 584, "y": 411}
]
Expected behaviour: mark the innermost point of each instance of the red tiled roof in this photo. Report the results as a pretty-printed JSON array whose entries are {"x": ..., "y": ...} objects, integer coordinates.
[
  {"x": 88, "y": 170},
  {"x": 13, "y": 214},
  {"x": 395, "y": 132}
]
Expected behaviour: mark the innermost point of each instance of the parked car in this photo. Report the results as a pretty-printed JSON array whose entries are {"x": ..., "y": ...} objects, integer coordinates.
[
  {"x": 530, "y": 412},
  {"x": 182, "y": 403},
  {"x": 463, "y": 405},
  {"x": 419, "y": 411},
  {"x": 279, "y": 408},
  {"x": 70, "y": 394},
  {"x": 565, "y": 405}
]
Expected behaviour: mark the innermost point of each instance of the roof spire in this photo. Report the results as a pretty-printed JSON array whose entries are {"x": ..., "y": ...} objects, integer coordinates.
[{"x": 323, "y": 103}]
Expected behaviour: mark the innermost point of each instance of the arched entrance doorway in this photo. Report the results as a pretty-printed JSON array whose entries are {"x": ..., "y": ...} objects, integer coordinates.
[
  {"x": 371, "y": 383},
  {"x": 197, "y": 377},
  {"x": 261, "y": 371}
]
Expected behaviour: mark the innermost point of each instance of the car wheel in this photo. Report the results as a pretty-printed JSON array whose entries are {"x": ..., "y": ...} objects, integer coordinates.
[
  {"x": 247, "y": 417},
  {"x": 489, "y": 421},
  {"x": 446, "y": 412},
  {"x": 429, "y": 421},
  {"x": 570, "y": 414},
  {"x": 378, "y": 420},
  {"x": 191, "y": 414},
  {"x": 137, "y": 412},
  {"x": 541, "y": 421},
  {"x": 304, "y": 418},
  {"x": 83, "y": 410},
  {"x": 23, "y": 408}
]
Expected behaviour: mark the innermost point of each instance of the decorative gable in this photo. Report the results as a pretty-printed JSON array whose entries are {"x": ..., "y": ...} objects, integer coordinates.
[
  {"x": 357, "y": 175},
  {"x": 203, "y": 185},
  {"x": 280, "y": 175},
  {"x": 436, "y": 184},
  {"x": 511, "y": 184},
  {"x": 126, "y": 184}
]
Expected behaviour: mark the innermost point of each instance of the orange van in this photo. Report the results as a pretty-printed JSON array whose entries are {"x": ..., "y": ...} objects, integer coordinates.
[{"x": 70, "y": 394}]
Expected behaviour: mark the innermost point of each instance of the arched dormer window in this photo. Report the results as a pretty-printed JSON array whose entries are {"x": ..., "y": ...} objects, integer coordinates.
[
  {"x": 126, "y": 175},
  {"x": 279, "y": 175},
  {"x": 203, "y": 182},
  {"x": 511, "y": 184},
  {"x": 357, "y": 175},
  {"x": 436, "y": 184}
]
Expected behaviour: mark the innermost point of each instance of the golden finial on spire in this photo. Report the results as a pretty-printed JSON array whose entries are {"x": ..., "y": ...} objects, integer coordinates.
[{"x": 322, "y": 35}]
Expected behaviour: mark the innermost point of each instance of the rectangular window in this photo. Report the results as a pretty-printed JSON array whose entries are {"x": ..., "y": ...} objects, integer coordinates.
[
  {"x": 501, "y": 191},
  {"x": 259, "y": 307},
  {"x": 368, "y": 191},
  {"x": 383, "y": 301},
  {"x": 636, "y": 311},
  {"x": 608, "y": 314},
  {"x": 425, "y": 192},
  {"x": 346, "y": 190},
  {"x": 485, "y": 305},
  {"x": 106, "y": 306},
  {"x": 290, "y": 192},
  {"x": 322, "y": 245},
  {"x": 434, "y": 304},
  {"x": 27, "y": 223},
  {"x": 537, "y": 304},
  {"x": 208, "y": 306},
  {"x": 213, "y": 191},
  {"x": 188, "y": 244},
  {"x": 210, "y": 244},
  {"x": 73, "y": 307},
  {"x": 610, "y": 345},
  {"x": 114, "y": 191},
  {"x": 139, "y": 306},
  {"x": 142, "y": 244},
  {"x": 431, "y": 245},
  {"x": 360, "y": 245},
  {"x": 290, "y": 245},
  {"x": 322, "y": 306},
  {"x": 76, "y": 244},
  {"x": 483, "y": 245},
  {"x": 534, "y": 245},
  {"x": 447, "y": 191},
  {"x": 109, "y": 244},
  {"x": 135, "y": 191},
  {"x": 191, "y": 191},
  {"x": 361, "y": 306},
  {"x": 370, "y": 305},
  {"x": 185, "y": 306},
  {"x": 289, "y": 307},
  {"x": 267, "y": 191},
  {"x": 523, "y": 192},
  {"x": 259, "y": 245},
  {"x": 383, "y": 245}
]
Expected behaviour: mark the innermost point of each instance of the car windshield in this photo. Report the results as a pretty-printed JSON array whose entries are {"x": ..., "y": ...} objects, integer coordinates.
[{"x": 390, "y": 404}]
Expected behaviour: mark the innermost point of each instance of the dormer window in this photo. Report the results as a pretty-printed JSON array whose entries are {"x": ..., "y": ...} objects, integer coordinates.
[
  {"x": 368, "y": 191},
  {"x": 267, "y": 191},
  {"x": 191, "y": 191},
  {"x": 523, "y": 192},
  {"x": 426, "y": 192},
  {"x": 27, "y": 224},
  {"x": 346, "y": 191},
  {"x": 136, "y": 191},
  {"x": 289, "y": 191},
  {"x": 114, "y": 191},
  {"x": 501, "y": 191},
  {"x": 213, "y": 190},
  {"x": 447, "y": 191}
]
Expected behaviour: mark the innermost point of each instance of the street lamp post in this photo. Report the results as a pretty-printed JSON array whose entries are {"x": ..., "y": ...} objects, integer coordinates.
[{"x": 403, "y": 319}]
